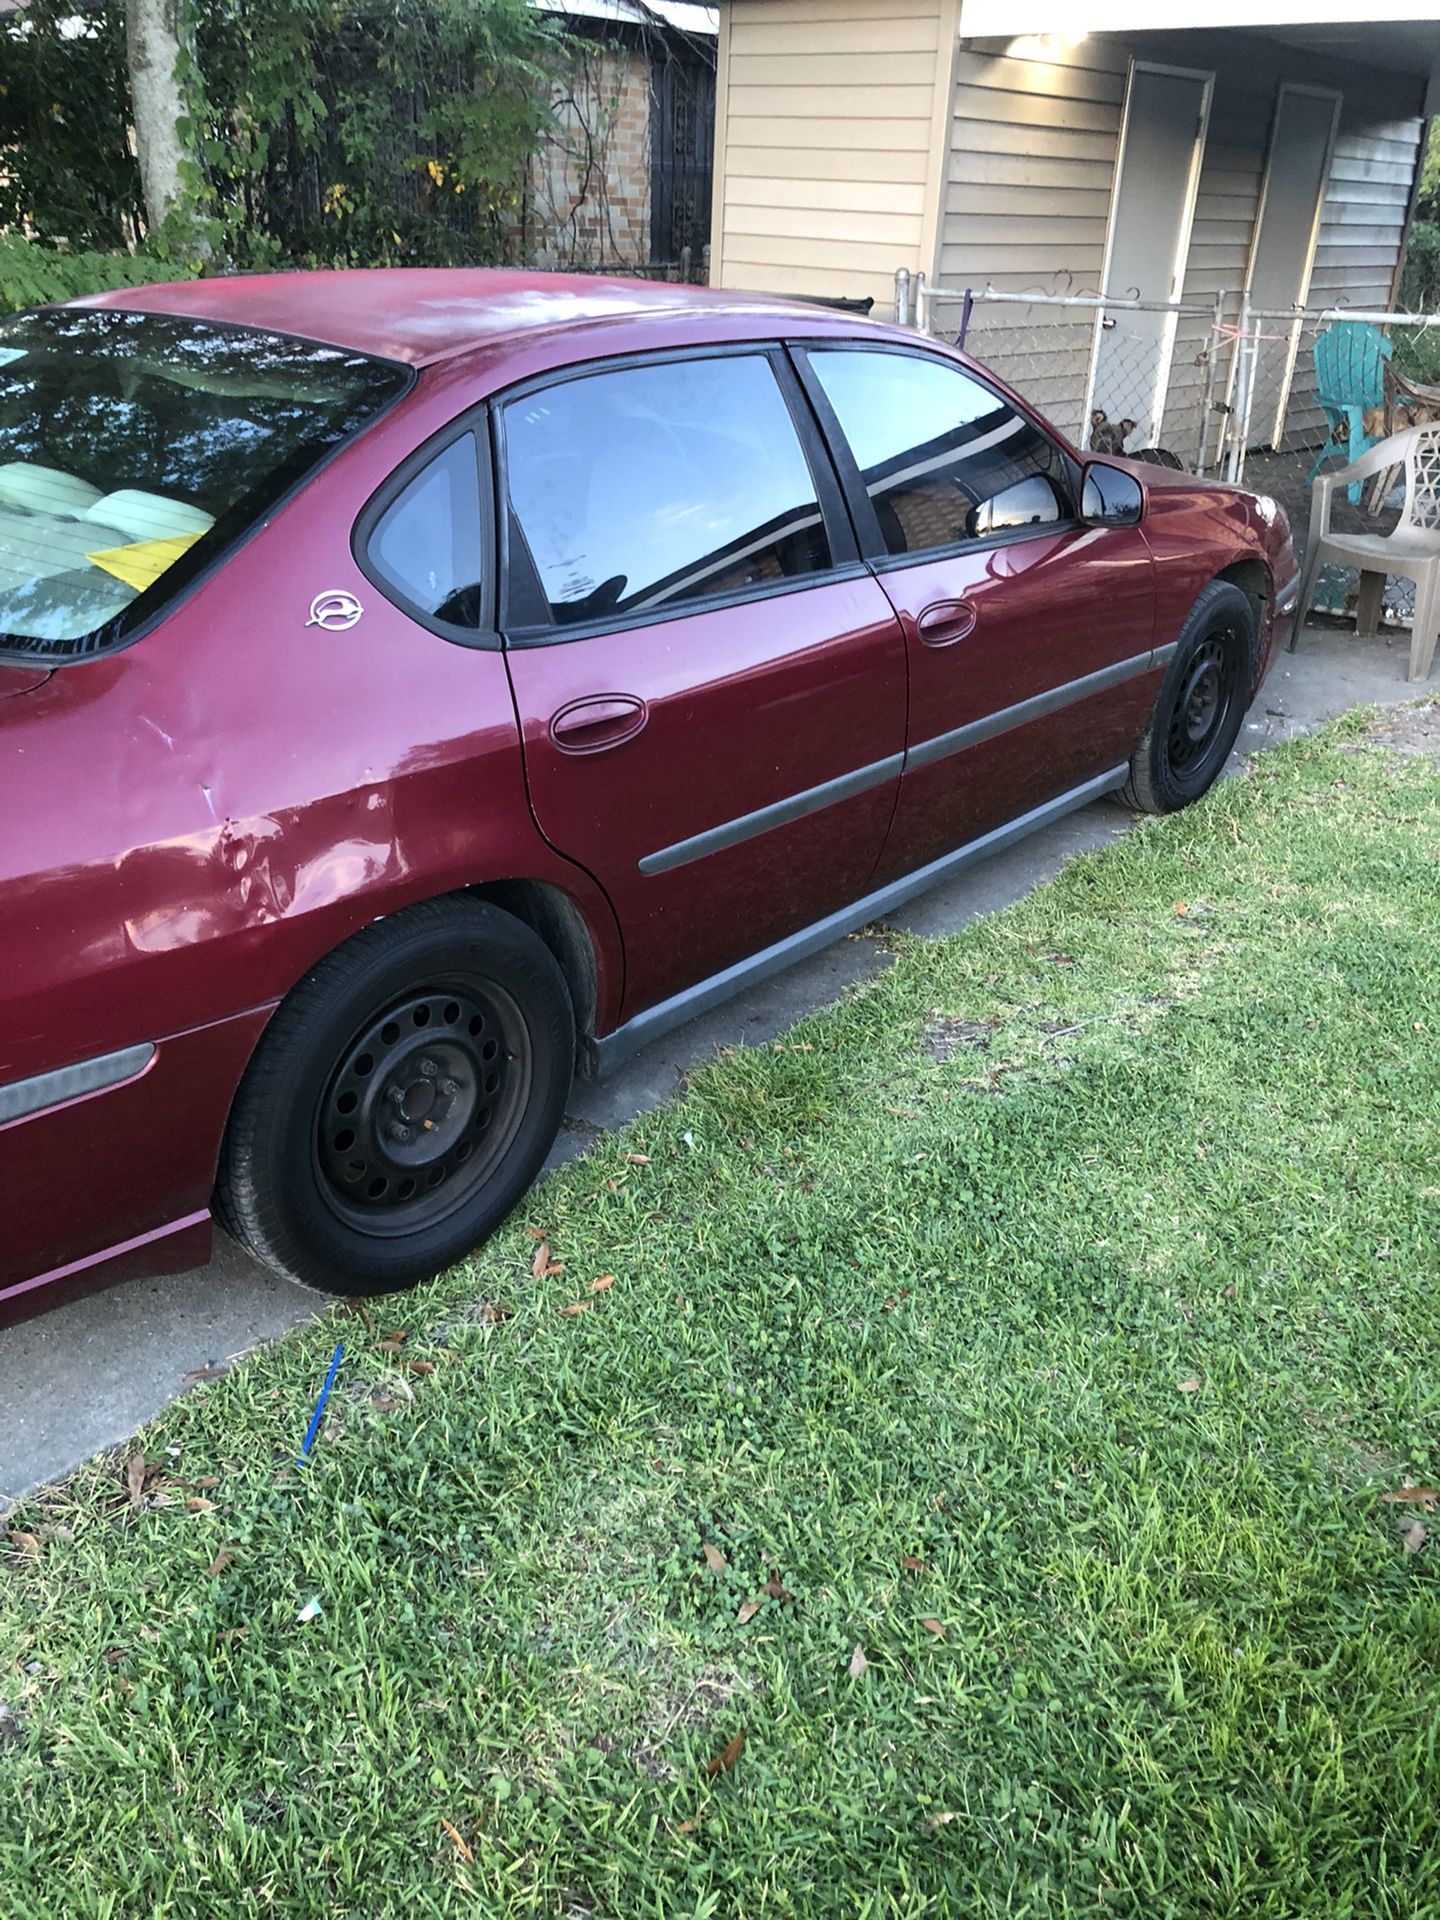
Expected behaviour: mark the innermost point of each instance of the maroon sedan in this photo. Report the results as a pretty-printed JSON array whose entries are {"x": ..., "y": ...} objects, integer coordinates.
[{"x": 414, "y": 685}]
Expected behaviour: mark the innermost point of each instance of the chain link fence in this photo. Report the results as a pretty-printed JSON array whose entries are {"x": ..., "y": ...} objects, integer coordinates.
[{"x": 1219, "y": 388}]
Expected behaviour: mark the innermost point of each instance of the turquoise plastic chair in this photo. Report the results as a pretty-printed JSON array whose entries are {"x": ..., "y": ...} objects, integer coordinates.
[{"x": 1350, "y": 361}]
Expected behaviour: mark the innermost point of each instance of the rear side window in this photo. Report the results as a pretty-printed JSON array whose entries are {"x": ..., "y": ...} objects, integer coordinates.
[
  {"x": 943, "y": 459},
  {"x": 426, "y": 544},
  {"x": 134, "y": 446},
  {"x": 645, "y": 487}
]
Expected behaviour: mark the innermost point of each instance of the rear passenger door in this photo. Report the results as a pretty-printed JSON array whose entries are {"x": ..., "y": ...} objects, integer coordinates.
[
  {"x": 1028, "y": 635},
  {"x": 710, "y": 683}
]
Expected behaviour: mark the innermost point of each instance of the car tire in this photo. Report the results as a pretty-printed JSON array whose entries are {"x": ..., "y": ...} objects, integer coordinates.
[
  {"x": 401, "y": 1100},
  {"x": 1201, "y": 703}
]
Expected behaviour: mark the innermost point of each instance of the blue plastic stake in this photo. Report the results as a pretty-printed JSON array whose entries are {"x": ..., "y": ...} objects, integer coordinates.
[{"x": 320, "y": 1405}]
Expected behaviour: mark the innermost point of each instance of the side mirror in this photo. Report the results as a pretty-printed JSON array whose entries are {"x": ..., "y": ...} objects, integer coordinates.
[{"x": 1110, "y": 497}]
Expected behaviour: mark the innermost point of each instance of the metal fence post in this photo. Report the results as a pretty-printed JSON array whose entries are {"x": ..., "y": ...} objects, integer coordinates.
[
  {"x": 685, "y": 261},
  {"x": 967, "y": 308},
  {"x": 1207, "y": 397},
  {"x": 902, "y": 296},
  {"x": 1239, "y": 422}
]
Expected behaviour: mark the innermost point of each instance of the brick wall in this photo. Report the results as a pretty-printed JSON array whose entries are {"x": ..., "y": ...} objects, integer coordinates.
[{"x": 588, "y": 197}]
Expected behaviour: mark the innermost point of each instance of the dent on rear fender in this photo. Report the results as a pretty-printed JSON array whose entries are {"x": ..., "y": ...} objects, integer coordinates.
[{"x": 244, "y": 874}]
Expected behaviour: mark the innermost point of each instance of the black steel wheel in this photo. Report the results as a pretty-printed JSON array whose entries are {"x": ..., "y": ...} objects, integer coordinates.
[
  {"x": 1200, "y": 706},
  {"x": 401, "y": 1100}
]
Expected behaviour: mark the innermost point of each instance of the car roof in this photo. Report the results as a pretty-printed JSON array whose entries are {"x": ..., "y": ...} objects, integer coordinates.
[{"x": 425, "y": 314}]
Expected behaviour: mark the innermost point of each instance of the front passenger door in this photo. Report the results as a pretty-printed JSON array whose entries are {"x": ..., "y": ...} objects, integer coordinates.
[
  {"x": 1028, "y": 635},
  {"x": 710, "y": 683}
]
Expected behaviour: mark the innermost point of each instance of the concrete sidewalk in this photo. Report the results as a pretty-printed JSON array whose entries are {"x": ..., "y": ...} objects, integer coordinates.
[{"x": 84, "y": 1376}]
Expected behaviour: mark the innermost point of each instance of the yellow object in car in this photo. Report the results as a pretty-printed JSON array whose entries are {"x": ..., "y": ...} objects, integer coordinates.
[{"x": 141, "y": 563}]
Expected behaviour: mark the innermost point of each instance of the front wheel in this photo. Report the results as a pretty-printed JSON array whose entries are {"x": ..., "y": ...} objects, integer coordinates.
[
  {"x": 1200, "y": 705},
  {"x": 401, "y": 1100}
]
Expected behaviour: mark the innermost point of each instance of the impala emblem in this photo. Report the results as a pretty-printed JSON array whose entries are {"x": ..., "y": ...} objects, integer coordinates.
[{"x": 335, "y": 611}]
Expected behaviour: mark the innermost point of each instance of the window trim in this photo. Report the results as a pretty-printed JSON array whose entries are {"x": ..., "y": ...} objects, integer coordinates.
[
  {"x": 485, "y": 636},
  {"x": 190, "y": 573},
  {"x": 862, "y": 507},
  {"x": 846, "y": 560}
]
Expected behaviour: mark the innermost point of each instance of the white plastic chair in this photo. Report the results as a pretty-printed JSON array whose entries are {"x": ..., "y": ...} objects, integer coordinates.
[{"x": 1412, "y": 550}]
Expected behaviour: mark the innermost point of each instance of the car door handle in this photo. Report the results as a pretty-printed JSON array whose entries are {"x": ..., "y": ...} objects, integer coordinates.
[
  {"x": 945, "y": 622},
  {"x": 598, "y": 721}
]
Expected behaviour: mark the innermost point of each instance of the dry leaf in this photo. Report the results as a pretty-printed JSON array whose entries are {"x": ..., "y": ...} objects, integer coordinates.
[
  {"x": 198, "y": 1504},
  {"x": 691, "y": 1826},
  {"x": 714, "y": 1558},
  {"x": 1192, "y": 1385},
  {"x": 538, "y": 1233},
  {"x": 774, "y": 1590},
  {"x": 205, "y": 1482},
  {"x": 912, "y": 1563},
  {"x": 603, "y": 1283},
  {"x": 1182, "y": 907},
  {"x": 748, "y": 1611},
  {"x": 466, "y": 1852},
  {"x": 725, "y": 1762},
  {"x": 492, "y": 1314},
  {"x": 393, "y": 1342},
  {"x": 552, "y": 1267},
  {"x": 1415, "y": 1538},
  {"x": 859, "y": 1665},
  {"x": 638, "y": 1159},
  {"x": 575, "y": 1306},
  {"x": 1413, "y": 1496},
  {"x": 28, "y": 1545},
  {"x": 135, "y": 1477},
  {"x": 541, "y": 1260},
  {"x": 420, "y": 1366},
  {"x": 932, "y": 1625},
  {"x": 220, "y": 1562},
  {"x": 1230, "y": 1291}
]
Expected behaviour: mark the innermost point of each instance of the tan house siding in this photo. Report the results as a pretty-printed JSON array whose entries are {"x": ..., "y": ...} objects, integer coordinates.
[{"x": 827, "y": 144}]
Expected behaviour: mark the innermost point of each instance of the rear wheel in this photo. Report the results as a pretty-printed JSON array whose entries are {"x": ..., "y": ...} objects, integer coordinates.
[
  {"x": 401, "y": 1100},
  {"x": 1200, "y": 705}
]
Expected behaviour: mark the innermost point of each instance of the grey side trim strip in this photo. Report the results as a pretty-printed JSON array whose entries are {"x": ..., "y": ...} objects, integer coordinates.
[
  {"x": 693, "y": 1001},
  {"x": 974, "y": 731},
  {"x": 68, "y": 1083},
  {"x": 778, "y": 814}
]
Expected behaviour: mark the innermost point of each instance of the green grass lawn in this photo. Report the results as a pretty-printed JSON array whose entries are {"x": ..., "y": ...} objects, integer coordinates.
[{"x": 991, "y": 1419}]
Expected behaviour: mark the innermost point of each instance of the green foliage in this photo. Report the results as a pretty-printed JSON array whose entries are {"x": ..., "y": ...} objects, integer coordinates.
[
  {"x": 31, "y": 275},
  {"x": 388, "y": 130}
]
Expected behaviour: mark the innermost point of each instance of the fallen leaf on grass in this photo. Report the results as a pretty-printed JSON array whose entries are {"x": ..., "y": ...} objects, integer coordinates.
[
  {"x": 541, "y": 1260},
  {"x": 859, "y": 1665},
  {"x": 1192, "y": 1385},
  {"x": 220, "y": 1562},
  {"x": 1182, "y": 907},
  {"x": 1413, "y": 1496},
  {"x": 205, "y": 1482},
  {"x": 197, "y": 1503},
  {"x": 912, "y": 1563},
  {"x": 748, "y": 1611},
  {"x": 714, "y": 1558},
  {"x": 462, "y": 1847},
  {"x": 932, "y": 1625},
  {"x": 724, "y": 1762},
  {"x": 603, "y": 1283},
  {"x": 692, "y": 1825},
  {"x": 638, "y": 1159},
  {"x": 538, "y": 1233},
  {"x": 393, "y": 1342},
  {"x": 774, "y": 1589},
  {"x": 1416, "y": 1537},
  {"x": 1230, "y": 1291},
  {"x": 26, "y": 1543},
  {"x": 420, "y": 1366},
  {"x": 135, "y": 1471},
  {"x": 575, "y": 1306},
  {"x": 492, "y": 1314}
]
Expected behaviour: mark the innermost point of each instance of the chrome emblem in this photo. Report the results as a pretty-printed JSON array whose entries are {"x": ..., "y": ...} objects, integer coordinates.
[{"x": 335, "y": 611}]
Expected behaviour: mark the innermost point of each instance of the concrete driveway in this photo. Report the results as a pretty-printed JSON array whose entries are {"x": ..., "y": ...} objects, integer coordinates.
[{"x": 84, "y": 1376}]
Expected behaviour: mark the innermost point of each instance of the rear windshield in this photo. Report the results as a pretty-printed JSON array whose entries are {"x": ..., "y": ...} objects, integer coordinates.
[{"x": 134, "y": 446}]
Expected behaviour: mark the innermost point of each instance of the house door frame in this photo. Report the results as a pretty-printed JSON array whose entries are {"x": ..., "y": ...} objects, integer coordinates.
[
  {"x": 1181, "y": 253},
  {"x": 1337, "y": 98}
]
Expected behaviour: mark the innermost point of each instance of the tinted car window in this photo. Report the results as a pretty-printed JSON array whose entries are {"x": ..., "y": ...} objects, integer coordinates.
[
  {"x": 943, "y": 459},
  {"x": 646, "y": 486},
  {"x": 426, "y": 544},
  {"x": 133, "y": 446}
]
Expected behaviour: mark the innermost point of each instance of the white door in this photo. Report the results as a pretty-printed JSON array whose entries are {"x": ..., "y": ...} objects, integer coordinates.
[
  {"x": 1282, "y": 254},
  {"x": 1157, "y": 172}
]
